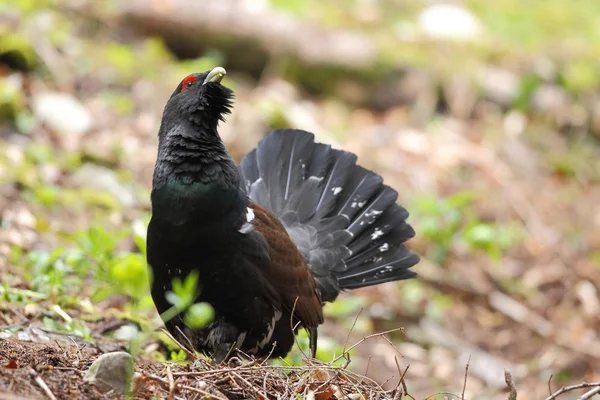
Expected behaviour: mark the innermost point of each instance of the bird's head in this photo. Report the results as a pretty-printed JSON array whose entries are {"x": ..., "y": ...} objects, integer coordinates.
[{"x": 201, "y": 99}]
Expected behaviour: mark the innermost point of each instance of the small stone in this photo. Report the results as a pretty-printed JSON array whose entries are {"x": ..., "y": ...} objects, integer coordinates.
[
  {"x": 50, "y": 173},
  {"x": 14, "y": 153},
  {"x": 111, "y": 372},
  {"x": 102, "y": 178},
  {"x": 545, "y": 69},
  {"x": 460, "y": 95},
  {"x": 588, "y": 296},
  {"x": 499, "y": 85},
  {"x": 30, "y": 310},
  {"x": 412, "y": 351},
  {"x": 25, "y": 218},
  {"x": 550, "y": 99},
  {"x": 126, "y": 332},
  {"x": 515, "y": 123},
  {"x": 102, "y": 146},
  {"x": 62, "y": 113},
  {"x": 447, "y": 21}
]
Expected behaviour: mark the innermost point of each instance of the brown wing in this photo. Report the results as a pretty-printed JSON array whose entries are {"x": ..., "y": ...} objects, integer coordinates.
[{"x": 287, "y": 271}]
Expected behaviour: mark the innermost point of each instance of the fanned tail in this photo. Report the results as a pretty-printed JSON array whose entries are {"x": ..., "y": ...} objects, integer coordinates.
[{"x": 342, "y": 218}]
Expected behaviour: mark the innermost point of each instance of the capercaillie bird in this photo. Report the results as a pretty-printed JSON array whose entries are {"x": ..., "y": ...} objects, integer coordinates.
[{"x": 289, "y": 229}]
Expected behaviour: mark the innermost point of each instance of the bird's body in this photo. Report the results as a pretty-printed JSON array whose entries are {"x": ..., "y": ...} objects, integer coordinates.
[{"x": 294, "y": 225}]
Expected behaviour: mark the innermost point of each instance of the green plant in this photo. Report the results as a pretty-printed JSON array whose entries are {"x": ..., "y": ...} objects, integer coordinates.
[
  {"x": 447, "y": 222},
  {"x": 68, "y": 324},
  {"x": 183, "y": 297},
  {"x": 441, "y": 220}
]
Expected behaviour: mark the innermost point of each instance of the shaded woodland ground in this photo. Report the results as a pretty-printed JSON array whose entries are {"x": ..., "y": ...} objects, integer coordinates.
[{"x": 491, "y": 139}]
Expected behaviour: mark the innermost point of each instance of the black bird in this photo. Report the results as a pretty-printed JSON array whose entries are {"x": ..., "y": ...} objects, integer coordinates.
[{"x": 290, "y": 228}]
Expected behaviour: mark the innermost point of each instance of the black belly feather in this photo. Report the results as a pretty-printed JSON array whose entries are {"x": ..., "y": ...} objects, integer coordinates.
[{"x": 248, "y": 311}]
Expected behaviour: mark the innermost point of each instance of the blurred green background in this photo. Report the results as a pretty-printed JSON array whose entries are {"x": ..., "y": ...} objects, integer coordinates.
[{"x": 485, "y": 116}]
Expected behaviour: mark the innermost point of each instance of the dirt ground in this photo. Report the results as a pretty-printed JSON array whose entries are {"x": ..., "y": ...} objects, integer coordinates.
[
  {"x": 51, "y": 370},
  {"x": 32, "y": 370}
]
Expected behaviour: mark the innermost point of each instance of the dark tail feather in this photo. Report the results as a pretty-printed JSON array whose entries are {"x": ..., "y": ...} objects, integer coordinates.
[{"x": 341, "y": 216}]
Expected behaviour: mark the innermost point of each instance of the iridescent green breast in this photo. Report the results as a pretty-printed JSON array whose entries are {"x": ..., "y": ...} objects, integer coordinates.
[{"x": 197, "y": 208}]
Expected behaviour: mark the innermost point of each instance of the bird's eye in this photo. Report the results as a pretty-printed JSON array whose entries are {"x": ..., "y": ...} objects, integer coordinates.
[{"x": 188, "y": 82}]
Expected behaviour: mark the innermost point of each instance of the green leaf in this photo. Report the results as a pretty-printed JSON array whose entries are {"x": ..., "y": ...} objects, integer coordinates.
[
  {"x": 185, "y": 292},
  {"x": 178, "y": 355},
  {"x": 130, "y": 274},
  {"x": 199, "y": 315},
  {"x": 461, "y": 199},
  {"x": 481, "y": 235}
]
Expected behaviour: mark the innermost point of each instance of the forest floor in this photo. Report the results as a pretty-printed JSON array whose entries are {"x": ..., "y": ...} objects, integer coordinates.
[{"x": 505, "y": 199}]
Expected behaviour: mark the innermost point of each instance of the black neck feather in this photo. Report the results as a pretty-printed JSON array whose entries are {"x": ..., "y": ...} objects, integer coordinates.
[{"x": 189, "y": 157}]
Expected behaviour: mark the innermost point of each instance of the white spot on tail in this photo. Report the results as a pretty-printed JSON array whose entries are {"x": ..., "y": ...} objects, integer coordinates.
[
  {"x": 372, "y": 213},
  {"x": 378, "y": 232},
  {"x": 336, "y": 190},
  {"x": 384, "y": 270},
  {"x": 384, "y": 247}
]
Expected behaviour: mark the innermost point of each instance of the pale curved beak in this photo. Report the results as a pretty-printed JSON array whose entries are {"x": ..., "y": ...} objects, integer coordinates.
[{"x": 215, "y": 75}]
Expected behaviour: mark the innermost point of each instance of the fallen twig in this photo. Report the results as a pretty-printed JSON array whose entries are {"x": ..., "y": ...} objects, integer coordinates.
[
  {"x": 293, "y": 328},
  {"x": 364, "y": 339},
  {"x": 185, "y": 387},
  {"x": 401, "y": 383},
  {"x": 38, "y": 379},
  {"x": 352, "y": 328},
  {"x": 172, "y": 386},
  {"x": 249, "y": 385},
  {"x": 566, "y": 389},
  {"x": 462, "y": 396},
  {"x": 538, "y": 324},
  {"x": 590, "y": 394},
  {"x": 23, "y": 292},
  {"x": 509, "y": 382},
  {"x": 187, "y": 351},
  {"x": 189, "y": 342}
]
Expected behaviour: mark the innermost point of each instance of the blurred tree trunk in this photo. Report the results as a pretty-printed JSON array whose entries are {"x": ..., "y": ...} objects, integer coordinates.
[
  {"x": 322, "y": 61},
  {"x": 249, "y": 37}
]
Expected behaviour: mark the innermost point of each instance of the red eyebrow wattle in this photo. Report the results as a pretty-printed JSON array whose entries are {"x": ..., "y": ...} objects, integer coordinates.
[{"x": 190, "y": 78}]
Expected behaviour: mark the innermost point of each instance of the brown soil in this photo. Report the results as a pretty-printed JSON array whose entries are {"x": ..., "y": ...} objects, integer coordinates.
[{"x": 27, "y": 366}]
